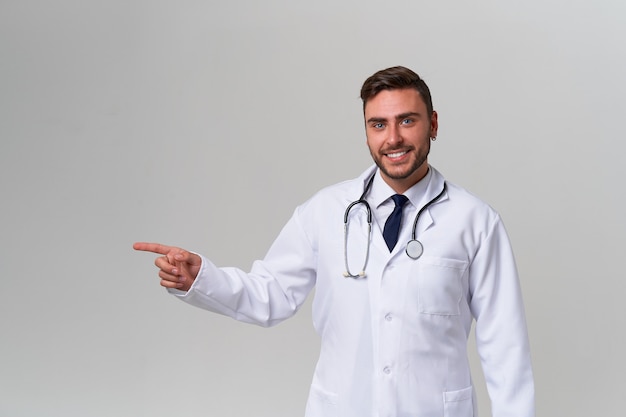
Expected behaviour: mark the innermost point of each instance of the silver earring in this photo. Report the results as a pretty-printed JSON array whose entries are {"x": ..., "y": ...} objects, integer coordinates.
[{"x": 434, "y": 138}]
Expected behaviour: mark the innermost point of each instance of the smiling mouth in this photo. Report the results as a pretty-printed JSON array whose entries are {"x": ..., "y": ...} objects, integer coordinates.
[{"x": 395, "y": 154}]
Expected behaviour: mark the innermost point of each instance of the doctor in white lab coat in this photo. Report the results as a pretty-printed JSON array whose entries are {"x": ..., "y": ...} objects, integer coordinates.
[{"x": 394, "y": 341}]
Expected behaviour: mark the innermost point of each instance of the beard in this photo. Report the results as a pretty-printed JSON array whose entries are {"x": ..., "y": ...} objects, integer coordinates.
[{"x": 400, "y": 174}]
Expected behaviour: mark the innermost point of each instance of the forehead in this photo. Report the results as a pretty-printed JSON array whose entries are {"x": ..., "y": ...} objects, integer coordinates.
[{"x": 392, "y": 102}]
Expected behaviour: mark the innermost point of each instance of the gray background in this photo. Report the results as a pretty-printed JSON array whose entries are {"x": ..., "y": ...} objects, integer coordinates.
[{"x": 203, "y": 124}]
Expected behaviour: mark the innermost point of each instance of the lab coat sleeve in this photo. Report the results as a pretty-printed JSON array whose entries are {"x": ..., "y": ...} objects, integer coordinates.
[
  {"x": 501, "y": 334},
  {"x": 274, "y": 289}
]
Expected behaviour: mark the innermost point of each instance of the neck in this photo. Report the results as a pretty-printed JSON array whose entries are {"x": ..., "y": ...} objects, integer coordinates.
[{"x": 400, "y": 185}]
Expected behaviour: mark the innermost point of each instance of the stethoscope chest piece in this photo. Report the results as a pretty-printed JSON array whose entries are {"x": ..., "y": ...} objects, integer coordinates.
[{"x": 414, "y": 249}]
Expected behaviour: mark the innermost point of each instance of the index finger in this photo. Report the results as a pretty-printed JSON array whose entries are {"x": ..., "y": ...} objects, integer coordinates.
[{"x": 152, "y": 247}]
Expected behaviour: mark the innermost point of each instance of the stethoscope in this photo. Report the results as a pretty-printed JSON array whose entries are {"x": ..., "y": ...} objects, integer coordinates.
[{"x": 414, "y": 247}]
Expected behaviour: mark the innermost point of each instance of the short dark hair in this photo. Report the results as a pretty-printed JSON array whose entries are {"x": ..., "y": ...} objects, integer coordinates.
[{"x": 396, "y": 78}]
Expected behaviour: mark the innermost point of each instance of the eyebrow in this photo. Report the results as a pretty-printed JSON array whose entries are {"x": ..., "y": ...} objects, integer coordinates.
[{"x": 398, "y": 117}]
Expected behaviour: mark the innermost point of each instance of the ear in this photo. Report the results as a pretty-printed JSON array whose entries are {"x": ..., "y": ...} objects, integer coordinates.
[{"x": 434, "y": 125}]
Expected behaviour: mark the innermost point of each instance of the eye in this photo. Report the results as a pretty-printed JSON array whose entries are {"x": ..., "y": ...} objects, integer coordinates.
[
  {"x": 378, "y": 125},
  {"x": 406, "y": 121}
]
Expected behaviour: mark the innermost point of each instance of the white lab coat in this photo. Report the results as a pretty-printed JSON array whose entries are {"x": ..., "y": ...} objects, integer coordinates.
[{"x": 393, "y": 344}]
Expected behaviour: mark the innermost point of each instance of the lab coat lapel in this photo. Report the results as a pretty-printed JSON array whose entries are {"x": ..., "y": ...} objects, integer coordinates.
[
  {"x": 434, "y": 188},
  {"x": 378, "y": 241}
]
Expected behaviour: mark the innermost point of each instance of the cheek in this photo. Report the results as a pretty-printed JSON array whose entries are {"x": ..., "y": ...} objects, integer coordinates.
[
  {"x": 373, "y": 139},
  {"x": 421, "y": 135}
]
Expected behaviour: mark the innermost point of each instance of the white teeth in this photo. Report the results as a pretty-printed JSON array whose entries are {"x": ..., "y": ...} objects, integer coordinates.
[{"x": 396, "y": 154}]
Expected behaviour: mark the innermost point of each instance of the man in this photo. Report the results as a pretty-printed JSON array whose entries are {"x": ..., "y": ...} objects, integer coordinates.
[{"x": 393, "y": 318}]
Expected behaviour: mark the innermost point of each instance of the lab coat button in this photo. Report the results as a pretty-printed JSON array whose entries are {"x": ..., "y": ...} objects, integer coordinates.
[
  {"x": 388, "y": 317},
  {"x": 387, "y": 370}
]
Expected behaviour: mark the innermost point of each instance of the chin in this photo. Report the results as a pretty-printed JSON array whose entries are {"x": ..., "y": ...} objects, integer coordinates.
[{"x": 407, "y": 173}]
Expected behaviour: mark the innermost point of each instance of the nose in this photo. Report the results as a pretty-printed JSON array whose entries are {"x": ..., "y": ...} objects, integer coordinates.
[{"x": 393, "y": 135}]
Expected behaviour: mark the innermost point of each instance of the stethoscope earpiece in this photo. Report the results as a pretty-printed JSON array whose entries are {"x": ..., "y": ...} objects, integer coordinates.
[{"x": 361, "y": 274}]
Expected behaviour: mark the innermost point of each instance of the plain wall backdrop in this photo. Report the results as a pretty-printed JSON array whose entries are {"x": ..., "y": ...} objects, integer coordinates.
[{"x": 203, "y": 124}]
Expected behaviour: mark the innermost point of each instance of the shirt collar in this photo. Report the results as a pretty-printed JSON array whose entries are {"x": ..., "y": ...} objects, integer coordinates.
[{"x": 381, "y": 191}]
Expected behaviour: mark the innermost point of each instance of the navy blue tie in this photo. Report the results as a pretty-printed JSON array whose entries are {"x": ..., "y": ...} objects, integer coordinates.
[{"x": 392, "y": 225}]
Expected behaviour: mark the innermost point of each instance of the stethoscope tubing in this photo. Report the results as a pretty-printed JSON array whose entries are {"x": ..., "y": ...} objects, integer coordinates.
[
  {"x": 434, "y": 200},
  {"x": 414, "y": 247}
]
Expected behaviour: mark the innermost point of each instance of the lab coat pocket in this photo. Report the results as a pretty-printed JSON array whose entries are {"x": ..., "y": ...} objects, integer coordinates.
[
  {"x": 458, "y": 403},
  {"x": 321, "y": 403},
  {"x": 439, "y": 285}
]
